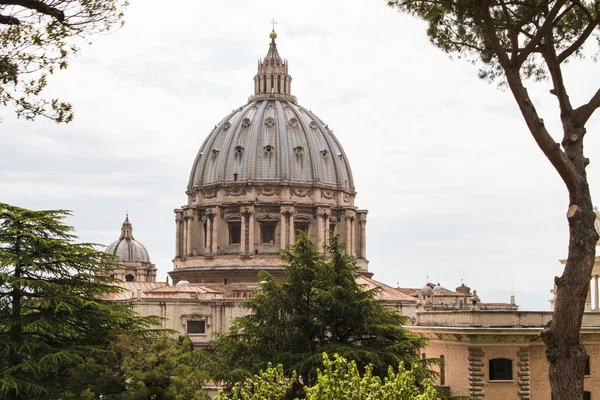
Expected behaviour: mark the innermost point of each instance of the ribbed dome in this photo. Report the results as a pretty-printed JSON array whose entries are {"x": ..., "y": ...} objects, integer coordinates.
[
  {"x": 271, "y": 140},
  {"x": 127, "y": 247}
]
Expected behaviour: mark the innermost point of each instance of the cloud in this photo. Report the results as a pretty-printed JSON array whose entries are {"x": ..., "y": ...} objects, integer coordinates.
[{"x": 443, "y": 161}]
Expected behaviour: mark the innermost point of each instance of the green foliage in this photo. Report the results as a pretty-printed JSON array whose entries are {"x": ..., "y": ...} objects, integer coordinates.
[
  {"x": 339, "y": 379},
  {"x": 499, "y": 33},
  {"x": 134, "y": 368},
  {"x": 319, "y": 308},
  {"x": 271, "y": 384},
  {"x": 52, "y": 312},
  {"x": 37, "y": 37}
]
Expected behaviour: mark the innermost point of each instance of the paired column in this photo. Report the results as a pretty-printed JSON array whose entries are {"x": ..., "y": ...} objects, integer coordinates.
[
  {"x": 251, "y": 223},
  {"x": 215, "y": 231},
  {"x": 189, "y": 221},
  {"x": 243, "y": 212},
  {"x": 292, "y": 235},
  {"x": 178, "y": 233},
  {"x": 362, "y": 220},
  {"x": 209, "y": 247},
  {"x": 350, "y": 216},
  {"x": 282, "y": 229}
]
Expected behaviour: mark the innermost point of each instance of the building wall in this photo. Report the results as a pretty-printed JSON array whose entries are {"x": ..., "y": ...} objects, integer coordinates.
[{"x": 467, "y": 362}]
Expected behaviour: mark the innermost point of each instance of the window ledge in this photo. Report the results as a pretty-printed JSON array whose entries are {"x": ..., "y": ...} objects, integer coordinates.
[{"x": 501, "y": 381}]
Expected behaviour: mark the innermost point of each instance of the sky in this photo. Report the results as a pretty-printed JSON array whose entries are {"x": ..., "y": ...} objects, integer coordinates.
[{"x": 456, "y": 188}]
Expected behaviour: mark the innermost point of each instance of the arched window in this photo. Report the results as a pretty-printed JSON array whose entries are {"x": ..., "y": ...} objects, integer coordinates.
[
  {"x": 501, "y": 369},
  {"x": 129, "y": 278}
]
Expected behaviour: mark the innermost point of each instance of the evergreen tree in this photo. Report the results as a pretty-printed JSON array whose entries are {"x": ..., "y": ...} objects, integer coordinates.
[
  {"x": 318, "y": 308},
  {"x": 137, "y": 368},
  {"x": 52, "y": 312}
]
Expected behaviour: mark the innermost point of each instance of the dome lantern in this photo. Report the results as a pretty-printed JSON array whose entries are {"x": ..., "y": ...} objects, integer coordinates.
[{"x": 272, "y": 80}]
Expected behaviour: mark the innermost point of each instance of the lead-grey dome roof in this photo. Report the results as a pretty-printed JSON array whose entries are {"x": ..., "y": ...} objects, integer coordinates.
[
  {"x": 127, "y": 247},
  {"x": 271, "y": 140}
]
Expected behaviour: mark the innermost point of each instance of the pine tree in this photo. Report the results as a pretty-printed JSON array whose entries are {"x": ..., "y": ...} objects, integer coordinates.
[
  {"x": 318, "y": 308},
  {"x": 52, "y": 312}
]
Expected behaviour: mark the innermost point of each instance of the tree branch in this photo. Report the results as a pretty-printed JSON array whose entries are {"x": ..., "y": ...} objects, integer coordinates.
[
  {"x": 488, "y": 25},
  {"x": 541, "y": 33},
  {"x": 38, "y": 6},
  {"x": 581, "y": 39},
  {"x": 546, "y": 143},
  {"x": 8, "y": 20},
  {"x": 584, "y": 112}
]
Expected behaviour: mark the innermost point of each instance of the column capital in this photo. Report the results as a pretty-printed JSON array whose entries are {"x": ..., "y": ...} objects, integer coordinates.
[
  {"x": 247, "y": 210},
  {"x": 288, "y": 210},
  {"x": 350, "y": 213},
  {"x": 323, "y": 212},
  {"x": 188, "y": 213}
]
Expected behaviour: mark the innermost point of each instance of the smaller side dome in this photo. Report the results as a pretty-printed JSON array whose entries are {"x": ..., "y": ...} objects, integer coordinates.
[
  {"x": 427, "y": 290},
  {"x": 438, "y": 289},
  {"x": 126, "y": 247},
  {"x": 182, "y": 283}
]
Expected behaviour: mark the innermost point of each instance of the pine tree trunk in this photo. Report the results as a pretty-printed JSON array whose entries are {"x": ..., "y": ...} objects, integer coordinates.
[{"x": 564, "y": 350}]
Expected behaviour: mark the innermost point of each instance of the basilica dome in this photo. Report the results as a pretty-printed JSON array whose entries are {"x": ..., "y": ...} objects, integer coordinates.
[
  {"x": 268, "y": 170},
  {"x": 272, "y": 139},
  {"x": 126, "y": 247}
]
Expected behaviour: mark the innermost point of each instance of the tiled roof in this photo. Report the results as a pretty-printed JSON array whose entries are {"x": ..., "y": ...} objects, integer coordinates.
[{"x": 385, "y": 292}]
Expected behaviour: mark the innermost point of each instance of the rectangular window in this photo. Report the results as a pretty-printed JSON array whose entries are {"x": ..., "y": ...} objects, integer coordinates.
[
  {"x": 587, "y": 367},
  {"x": 196, "y": 327},
  {"x": 300, "y": 227},
  {"x": 267, "y": 233},
  {"x": 587, "y": 395},
  {"x": 501, "y": 369},
  {"x": 235, "y": 233}
]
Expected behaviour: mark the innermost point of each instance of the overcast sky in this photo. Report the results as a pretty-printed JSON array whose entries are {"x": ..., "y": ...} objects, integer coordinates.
[{"x": 455, "y": 186}]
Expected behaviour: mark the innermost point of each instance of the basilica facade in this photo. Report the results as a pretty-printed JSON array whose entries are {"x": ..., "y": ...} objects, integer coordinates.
[{"x": 272, "y": 168}]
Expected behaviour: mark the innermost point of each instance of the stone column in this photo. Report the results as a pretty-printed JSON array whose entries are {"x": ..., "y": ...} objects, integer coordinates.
[
  {"x": 260, "y": 84},
  {"x": 251, "y": 224},
  {"x": 362, "y": 251},
  {"x": 177, "y": 234},
  {"x": 348, "y": 234},
  {"x": 292, "y": 237},
  {"x": 209, "y": 248},
  {"x": 215, "y": 236},
  {"x": 184, "y": 224},
  {"x": 268, "y": 84},
  {"x": 320, "y": 229},
  {"x": 282, "y": 230},
  {"x": 189, "y": 224},
  {"x": 596, "y": 298},
  {"x": 243, "y": 212}
]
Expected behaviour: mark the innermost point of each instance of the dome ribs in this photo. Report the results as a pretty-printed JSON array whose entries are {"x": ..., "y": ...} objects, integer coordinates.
[
  {"x": 284, "y": 126},
  {"x": 253, "y": 145},
  {"x": 231, "y": 141},
  {"x": 282, "y": 143}
]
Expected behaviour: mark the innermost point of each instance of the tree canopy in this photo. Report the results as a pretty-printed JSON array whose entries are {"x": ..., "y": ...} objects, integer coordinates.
[
  {"x": 38, "y": 37},
  {"x": 318, "y": 308},
  {"x": 338, "y": 379},
  {"x": 139, "y": 368},
  {"x": 52, "y": 309},
  {"x": 513, "y": 41}
]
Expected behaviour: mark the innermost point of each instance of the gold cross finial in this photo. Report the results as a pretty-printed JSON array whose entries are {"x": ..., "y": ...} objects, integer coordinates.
[{"x": 273, "y": 23}]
